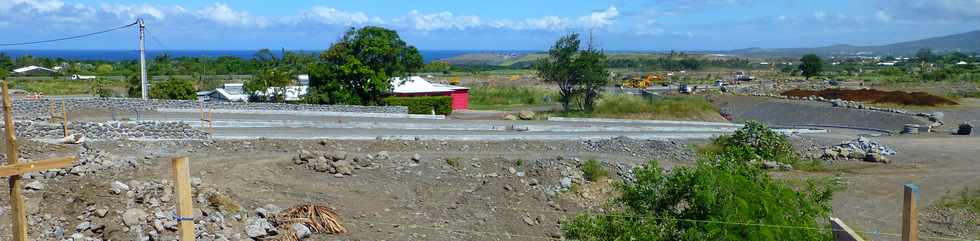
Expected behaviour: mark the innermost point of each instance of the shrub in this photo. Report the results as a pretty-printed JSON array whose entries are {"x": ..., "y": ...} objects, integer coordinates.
[
  {"x": 593, "y": 170},
  {"x": 173, "y": 90},
  {"x": 706, "y": 202},
  {"x": 442, "y": 105},
  {"x": 504, "y": 96},
  {"x": 630, "y": 106},
  {"x": 755, "y": 141}
]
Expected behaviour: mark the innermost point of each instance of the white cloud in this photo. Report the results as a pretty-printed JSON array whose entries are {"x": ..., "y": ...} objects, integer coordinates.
[
  {"x": 600, "y": 19},
  {"x": 223, "y": 14},
  {"x": 133, "y": 11},
  {"x": 648, "y": 27},
  {"x": 820, "y": 15},
  {"x": 884, "y": 16},
  {"x": 333, "y": 16},
  {"x": 440, "y": 21},
  {"x": 43, "y": 6}
]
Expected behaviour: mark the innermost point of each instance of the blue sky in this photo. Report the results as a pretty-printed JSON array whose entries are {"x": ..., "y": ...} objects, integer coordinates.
[{"x": 489, "y": 25}]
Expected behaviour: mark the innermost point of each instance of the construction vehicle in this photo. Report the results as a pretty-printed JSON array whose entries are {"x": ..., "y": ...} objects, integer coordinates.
[{"x": 644, "y": 83}]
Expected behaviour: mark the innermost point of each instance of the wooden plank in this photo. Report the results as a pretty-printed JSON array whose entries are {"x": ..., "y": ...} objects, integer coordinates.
[
  {"x": 910, "y": 214},
  {"x": 18, "y": 212},
  {"x": 64, "y": 117},
  {"x": 21, "y": 168},
  {"x": 185, "y": 209},
  {"x": 842, "y": 232}
]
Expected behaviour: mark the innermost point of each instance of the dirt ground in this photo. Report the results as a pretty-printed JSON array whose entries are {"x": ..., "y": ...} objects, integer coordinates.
[{"x": 475, "y": 198}]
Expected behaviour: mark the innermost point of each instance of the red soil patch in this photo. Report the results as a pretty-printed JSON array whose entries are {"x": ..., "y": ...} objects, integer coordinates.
[{"x": 875, "y": 96}]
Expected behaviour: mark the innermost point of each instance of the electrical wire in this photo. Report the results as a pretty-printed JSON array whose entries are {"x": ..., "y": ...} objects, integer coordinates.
[{"x": 70, "y": 37}]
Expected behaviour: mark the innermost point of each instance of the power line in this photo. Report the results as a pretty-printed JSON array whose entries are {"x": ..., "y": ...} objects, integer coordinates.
[{"x": 70, "y": 37}]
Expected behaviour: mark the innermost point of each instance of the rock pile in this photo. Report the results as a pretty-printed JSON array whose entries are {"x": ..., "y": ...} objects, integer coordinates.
[
  {"x": 652, "y": 149},
  {"x": 110, "y": 130},
  {"x": 860, "y": 149},
  {"x": 338, "y": 163},
  {"x": 146, "y": 212}
]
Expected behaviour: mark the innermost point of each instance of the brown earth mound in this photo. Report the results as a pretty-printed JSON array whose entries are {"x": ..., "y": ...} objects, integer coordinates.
[{"x": 875, "y": 96}]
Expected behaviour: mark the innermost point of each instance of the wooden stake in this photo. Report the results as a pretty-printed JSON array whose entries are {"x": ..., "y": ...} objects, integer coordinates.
[
  {"x": 910, "y": 214},
  {"x": 182, "y": 186},
  {"x": 211, "y": 121},
  {"x": 21, "y": 168},
  {"x": 64, "y": 117},
  {"x": 18, "y": 214}
]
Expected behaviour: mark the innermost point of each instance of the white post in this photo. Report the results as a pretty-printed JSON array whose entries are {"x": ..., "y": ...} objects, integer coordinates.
[{"x": 143, "y": 82}]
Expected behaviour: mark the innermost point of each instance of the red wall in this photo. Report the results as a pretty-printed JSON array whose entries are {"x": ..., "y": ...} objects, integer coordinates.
[{"x": 461, "y": 99}]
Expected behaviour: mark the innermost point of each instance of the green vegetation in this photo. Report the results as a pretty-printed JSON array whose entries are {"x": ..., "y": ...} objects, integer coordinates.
[
  {"x": 722, "y": 197},
  {"x": 578, "y": 73},
  {"x": 57, "y": 86},
  {"x": 811, "y": 65},
  {"x": 519, "y": 162},
  {"x": 755, "y": 141},
  {"x": 592, "y": 170},
  {"x": 276, "y": 78},
  {"x": 967, "y": 199},
  {"x": 100, "y": 87},
  {"x": 636, "y": 107},
  {"x": 357, "y": 69},
  {"x": 455, "y": 162},
  {"x": 440, "y": 105},
  {"x": 173, "y": 90},
  {"x": 497, "y": 97}
]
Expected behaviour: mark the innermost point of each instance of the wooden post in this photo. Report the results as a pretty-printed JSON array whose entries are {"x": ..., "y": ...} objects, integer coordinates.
[
  {"x": 211, "y": 120},
  {"x": 18, "y": 214},
  {"x": 185, "y": 209},
  {"x": 64, "y": 117},
  {"x": 910, "y": 214}
]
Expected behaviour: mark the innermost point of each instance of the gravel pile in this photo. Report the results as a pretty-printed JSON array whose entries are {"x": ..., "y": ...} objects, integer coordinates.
[
  {"x": 110, "y": 130},
  {"x": 655, "y": 149},
  {"x": 27, "y": 108}
]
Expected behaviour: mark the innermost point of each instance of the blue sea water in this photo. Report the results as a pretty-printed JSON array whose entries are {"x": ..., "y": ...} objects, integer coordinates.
[{"x": 117, "y": 55}]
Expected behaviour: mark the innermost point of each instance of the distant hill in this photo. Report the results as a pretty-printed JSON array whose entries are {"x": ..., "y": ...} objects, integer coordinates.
[{"x": 964, "y": 42}]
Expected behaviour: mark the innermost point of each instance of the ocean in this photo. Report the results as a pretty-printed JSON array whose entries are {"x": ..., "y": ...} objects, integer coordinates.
[{"x": 117, "y": 55}]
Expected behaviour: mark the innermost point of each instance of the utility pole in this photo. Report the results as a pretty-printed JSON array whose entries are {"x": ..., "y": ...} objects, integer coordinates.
[{"x": 144, "y": 85}]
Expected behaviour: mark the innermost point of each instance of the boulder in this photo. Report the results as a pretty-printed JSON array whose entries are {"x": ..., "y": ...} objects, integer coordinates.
[
  {"x": 134, "y": 216},
  {"x": 35, "y": 185},
  {"x": 343, "y": 167},
  {"x": 510, "y": 117},
  {"x": 965, "y": 129},
  {"x": 526, "y": 115},
  {"x": 258, "y": 228},
  {"x": 119, "y": 187},
  {"x": 876, "y": 157}
]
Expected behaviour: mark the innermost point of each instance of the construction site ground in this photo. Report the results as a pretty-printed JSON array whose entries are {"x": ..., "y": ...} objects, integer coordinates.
[{"x": 480, "y": 189}]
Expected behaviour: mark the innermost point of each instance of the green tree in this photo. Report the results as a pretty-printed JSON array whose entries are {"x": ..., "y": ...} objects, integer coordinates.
[
  {"x": 591, "y": 66},
  {"x": 578, "y": 73},
  {"x": 437, "y": 66},
  {"x": 275, "y": 78},
  {"x": 173, "y": 90},
  {"x": 925, "y": 55},
  {"x": 104, "y": 69},
  {"x": 6, "y": 64},
  {"x": 811, "y": 65},
  {"x": 134, "y": 88},
  {"x": 558, "y": 68},
  {"x": 100, "y": 87},
  {"x": 361, "y": 66}
]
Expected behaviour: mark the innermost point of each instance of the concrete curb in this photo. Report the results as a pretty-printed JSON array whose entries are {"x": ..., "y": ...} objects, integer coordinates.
[
  {"x": 308, "y": 113},
  {"x": 627, "y": 121}
]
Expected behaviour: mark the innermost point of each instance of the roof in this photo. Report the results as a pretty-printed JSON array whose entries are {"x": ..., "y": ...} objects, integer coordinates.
[
  {"x": 416, "y": 84},
  {"x": 30, "y": 68}
]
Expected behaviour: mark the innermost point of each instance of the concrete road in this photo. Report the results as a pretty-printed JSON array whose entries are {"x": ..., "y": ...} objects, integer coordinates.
[{"x": 285, "y": 126}]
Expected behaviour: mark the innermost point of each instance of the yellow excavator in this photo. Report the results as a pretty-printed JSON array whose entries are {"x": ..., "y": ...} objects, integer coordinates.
[{"x": 647, "y": 81}]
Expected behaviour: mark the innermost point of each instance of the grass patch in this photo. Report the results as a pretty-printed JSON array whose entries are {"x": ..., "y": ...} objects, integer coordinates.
[
  {"x": 967, "y": 199},
  {"x": 519, "y": 162},
  {"x": 63, "y": 87},
  {"x": 496, "y": 97},
  {"x": 593, "y": 171},
  {"x": 455, "y": 162},
  {"x": 636, "y": 107}
]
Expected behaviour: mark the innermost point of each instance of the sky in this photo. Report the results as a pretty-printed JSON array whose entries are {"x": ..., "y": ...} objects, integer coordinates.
[{"x": 486, "y": 25}]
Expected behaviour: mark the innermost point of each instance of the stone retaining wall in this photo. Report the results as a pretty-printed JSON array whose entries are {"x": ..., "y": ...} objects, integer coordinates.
[{"x": 28, "y": 108}]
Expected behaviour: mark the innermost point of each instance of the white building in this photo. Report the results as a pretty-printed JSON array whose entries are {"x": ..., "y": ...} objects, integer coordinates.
[
  {"x": 34, "y": 70},
  {"x": 228, "y": 92}
]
